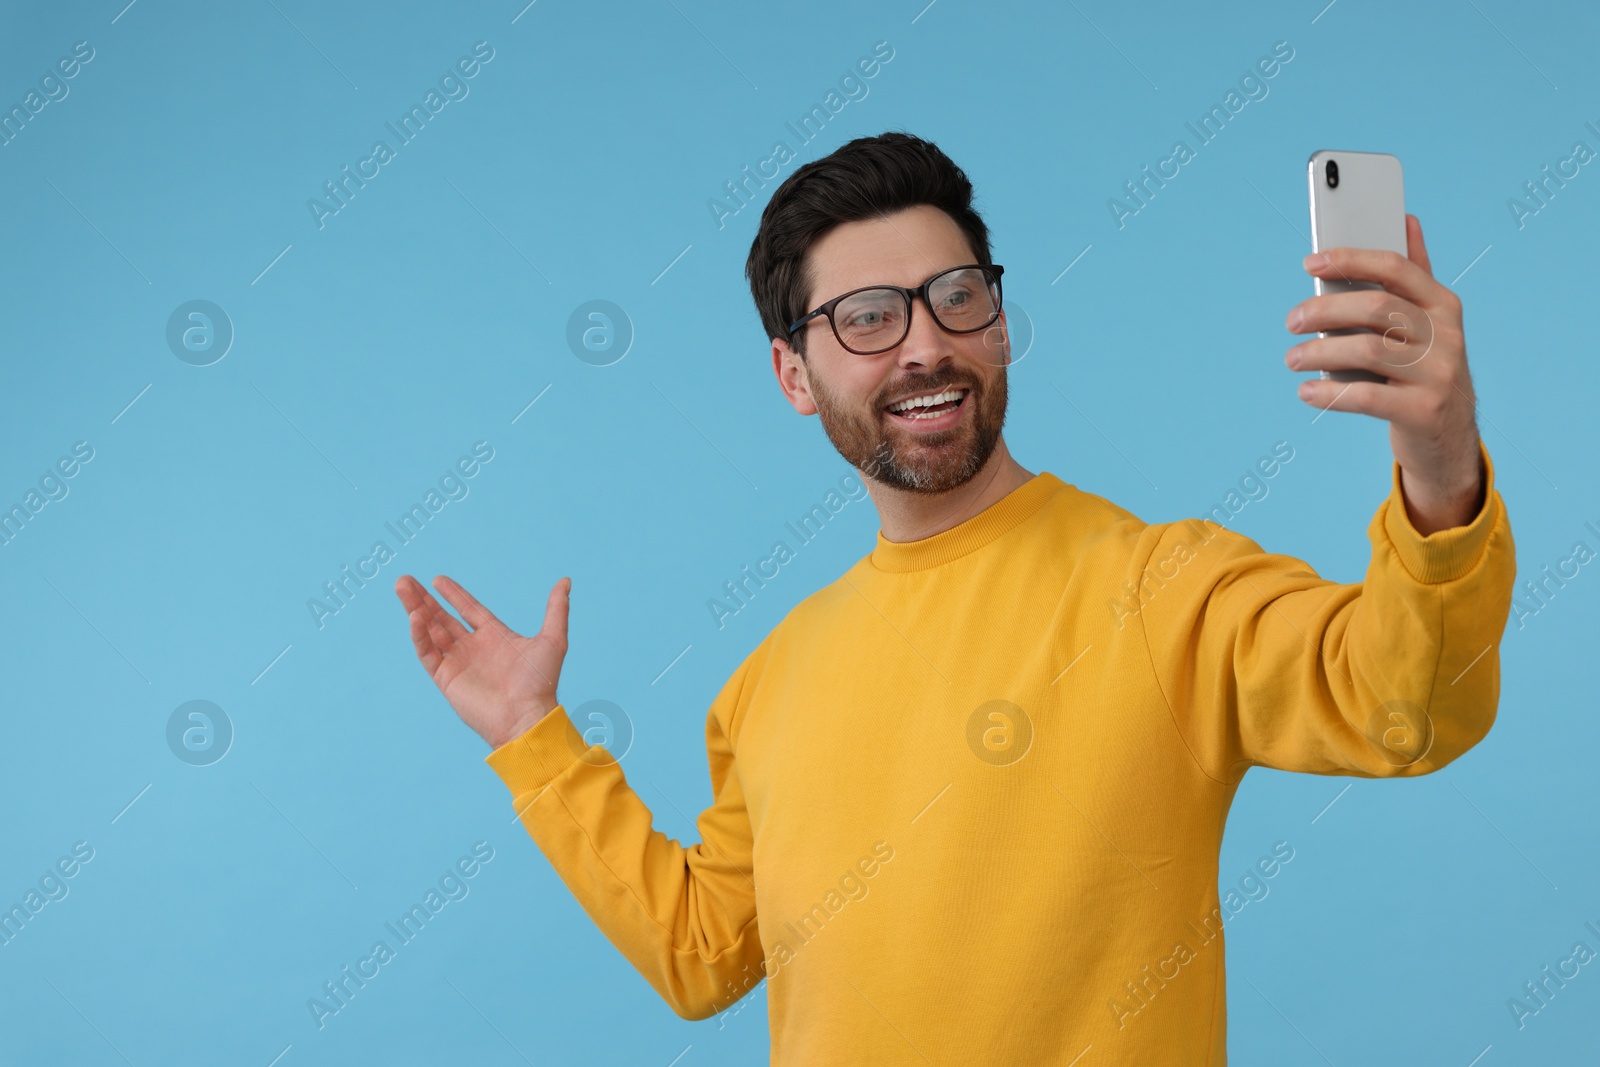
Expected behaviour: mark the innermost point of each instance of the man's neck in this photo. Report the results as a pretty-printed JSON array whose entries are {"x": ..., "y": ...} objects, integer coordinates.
[{"x": 907, "y": 516}]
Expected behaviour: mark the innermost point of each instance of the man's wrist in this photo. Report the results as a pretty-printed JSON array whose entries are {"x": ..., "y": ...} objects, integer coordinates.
[
  {"x": 521, "y": 725},
  {"x": 1430, "y": 511}
]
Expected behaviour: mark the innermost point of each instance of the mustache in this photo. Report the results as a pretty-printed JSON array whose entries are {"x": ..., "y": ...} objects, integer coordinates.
[{"x": 913, "y": 386}]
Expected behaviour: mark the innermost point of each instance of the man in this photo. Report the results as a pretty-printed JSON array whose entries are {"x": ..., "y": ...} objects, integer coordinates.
[{"x": 969, "y": 798}]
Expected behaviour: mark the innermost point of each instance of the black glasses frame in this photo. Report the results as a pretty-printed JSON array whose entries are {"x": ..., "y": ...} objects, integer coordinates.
[{"x": 993, "y": 271}]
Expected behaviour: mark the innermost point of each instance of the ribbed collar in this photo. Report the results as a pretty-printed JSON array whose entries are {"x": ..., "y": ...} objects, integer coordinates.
[{"x": 1004, "y": 514}]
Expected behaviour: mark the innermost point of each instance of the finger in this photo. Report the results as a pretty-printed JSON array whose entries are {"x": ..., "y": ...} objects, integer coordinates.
[
  {"x": 413, "y": 596},
  {"x": 556, "y": 609},
  {"x": 464, "y": 602},
  {"x": 1383, "y": 354},
  {"x": 1365, "y": 309},
  {"x": 1416, "y": 251},
  {"x": 1394, "y": 272},
  {"x": 410, "y": 592},
  {"x": 442, "y": 639},
  {"x": 1377, "y": 399},
  {"x": 456, "y": 629},
  {"x": 427, "y": 652}
]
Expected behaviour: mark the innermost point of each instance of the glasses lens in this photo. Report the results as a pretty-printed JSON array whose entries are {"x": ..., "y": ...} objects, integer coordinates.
[
  {"x": 966, "y": 299},
  {"x": 871, "y": 320}
]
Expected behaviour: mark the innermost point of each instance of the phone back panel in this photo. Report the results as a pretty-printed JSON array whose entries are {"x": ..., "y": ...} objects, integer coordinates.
[{"x": 1367, "y": 209}]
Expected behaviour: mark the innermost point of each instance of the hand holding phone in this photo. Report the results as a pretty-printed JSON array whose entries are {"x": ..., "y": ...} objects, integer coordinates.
[
  {"x": 1357, "y": 201},
  {"x": 1367, "y": 241}
]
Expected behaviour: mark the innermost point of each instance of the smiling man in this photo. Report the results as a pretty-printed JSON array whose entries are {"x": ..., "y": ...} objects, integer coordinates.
[{"x": 961, "y": 813}]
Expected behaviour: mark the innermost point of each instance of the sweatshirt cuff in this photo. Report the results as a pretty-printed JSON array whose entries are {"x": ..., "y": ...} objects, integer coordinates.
[
  {"x": 1444, "y": 555},
  {"x": 538, "y": 756}
]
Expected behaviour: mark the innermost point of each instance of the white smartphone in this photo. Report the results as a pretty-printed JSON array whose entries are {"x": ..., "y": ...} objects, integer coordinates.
[{"x": 1358, "y": 200}]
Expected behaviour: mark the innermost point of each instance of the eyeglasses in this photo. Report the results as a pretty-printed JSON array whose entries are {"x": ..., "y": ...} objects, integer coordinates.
[{"x": 874, "y": 319}]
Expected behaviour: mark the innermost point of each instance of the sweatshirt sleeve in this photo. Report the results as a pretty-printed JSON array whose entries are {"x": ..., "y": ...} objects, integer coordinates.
[
  {"x": 1263, "y": 663},
  {"x": 685, "y": 917}
]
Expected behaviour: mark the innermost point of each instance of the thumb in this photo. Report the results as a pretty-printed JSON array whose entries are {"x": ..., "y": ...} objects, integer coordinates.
[
  {"x": 1416, "y": 249},
  {"x": 555, "y": 611}
]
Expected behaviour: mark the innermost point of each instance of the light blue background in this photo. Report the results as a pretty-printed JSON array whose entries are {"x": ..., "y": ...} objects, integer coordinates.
[{"x": 376, "y": 350}]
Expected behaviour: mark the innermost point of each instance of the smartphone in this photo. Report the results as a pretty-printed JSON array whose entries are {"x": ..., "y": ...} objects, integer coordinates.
[{"x": 1357, "y": 201}]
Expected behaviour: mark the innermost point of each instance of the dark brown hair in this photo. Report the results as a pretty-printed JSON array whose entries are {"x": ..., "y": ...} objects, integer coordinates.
[{"x": 863, "y": 179}]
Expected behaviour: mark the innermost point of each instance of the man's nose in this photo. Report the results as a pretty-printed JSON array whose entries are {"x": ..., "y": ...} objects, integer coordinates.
[{"x": 926, "y": 344}]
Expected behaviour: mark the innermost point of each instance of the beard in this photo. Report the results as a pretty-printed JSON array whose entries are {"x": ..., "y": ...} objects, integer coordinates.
[{"x": 917, "y": 462}]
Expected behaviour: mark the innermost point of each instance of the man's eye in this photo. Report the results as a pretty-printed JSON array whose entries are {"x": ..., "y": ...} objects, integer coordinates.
[{"x": 871, "y": 318}]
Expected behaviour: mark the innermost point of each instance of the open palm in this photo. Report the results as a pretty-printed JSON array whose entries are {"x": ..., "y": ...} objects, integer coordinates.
[{"x": 500, "y": 682}]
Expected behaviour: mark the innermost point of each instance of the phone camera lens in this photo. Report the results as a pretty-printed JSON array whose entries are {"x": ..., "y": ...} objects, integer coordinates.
[{"x": 1332, "y": 171}]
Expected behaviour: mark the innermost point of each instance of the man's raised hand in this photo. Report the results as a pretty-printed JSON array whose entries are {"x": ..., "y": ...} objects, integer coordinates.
[
  {"x": 499, "y": 682},
  {"x": 1415, "y": 341}
]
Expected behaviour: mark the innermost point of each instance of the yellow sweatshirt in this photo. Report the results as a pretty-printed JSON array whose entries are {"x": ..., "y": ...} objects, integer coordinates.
[{"x": 968, "y": 799}]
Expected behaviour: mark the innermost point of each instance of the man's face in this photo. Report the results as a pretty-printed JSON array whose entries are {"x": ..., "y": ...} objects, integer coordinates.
[{"x": 853, "y": 393}]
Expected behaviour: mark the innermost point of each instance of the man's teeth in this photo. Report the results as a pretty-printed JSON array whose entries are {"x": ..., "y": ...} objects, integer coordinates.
[{"x": 947, "y": 396}]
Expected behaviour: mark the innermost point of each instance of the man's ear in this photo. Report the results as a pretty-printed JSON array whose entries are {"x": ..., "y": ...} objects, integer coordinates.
[{"x": 793, "y": 376}]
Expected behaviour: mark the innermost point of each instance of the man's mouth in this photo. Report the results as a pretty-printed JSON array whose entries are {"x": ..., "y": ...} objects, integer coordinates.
[{"x": 930, "y": 406}]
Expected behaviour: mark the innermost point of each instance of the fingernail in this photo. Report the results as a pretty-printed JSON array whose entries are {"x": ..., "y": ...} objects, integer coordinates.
[
  {"x": 1305, "y": 390},
  {"x": 1315, "y": 260},
  {"x": 1295, "y": 354},
  {"x": 1295, "y": 318}
]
